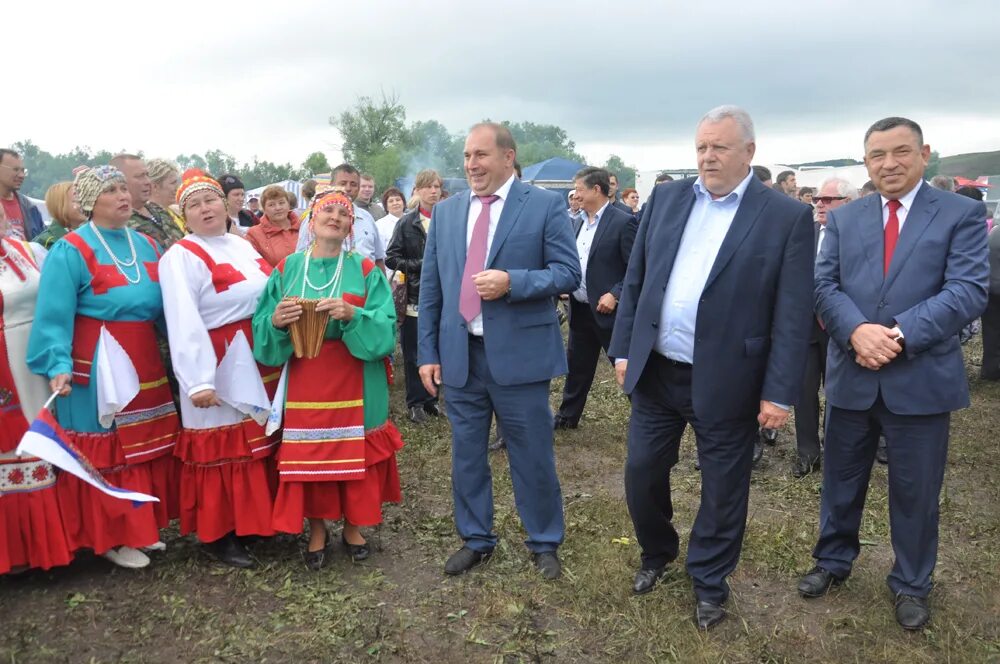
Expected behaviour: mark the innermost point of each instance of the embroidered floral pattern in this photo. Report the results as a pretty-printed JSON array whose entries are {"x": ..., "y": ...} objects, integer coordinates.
[{"x": 19, "y": 476}]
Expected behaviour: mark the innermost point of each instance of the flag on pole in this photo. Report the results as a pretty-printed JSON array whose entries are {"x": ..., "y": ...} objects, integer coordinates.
[{"x": 46, "y": 440}]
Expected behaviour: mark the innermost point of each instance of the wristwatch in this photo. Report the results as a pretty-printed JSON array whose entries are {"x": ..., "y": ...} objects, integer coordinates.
[{"x": 898, "y": 335}]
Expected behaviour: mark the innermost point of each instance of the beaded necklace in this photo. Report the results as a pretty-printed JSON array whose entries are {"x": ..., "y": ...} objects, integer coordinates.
[
  {"x": 119, "y": 264},
  {"x": 333, "y": 284}
]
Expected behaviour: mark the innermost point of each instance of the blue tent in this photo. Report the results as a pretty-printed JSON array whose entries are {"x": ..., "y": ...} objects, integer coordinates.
[{"x": 555, "y": 169}]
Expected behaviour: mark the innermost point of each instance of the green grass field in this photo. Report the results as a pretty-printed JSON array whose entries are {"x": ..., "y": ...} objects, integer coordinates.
[{"x": 399, "y": 607}]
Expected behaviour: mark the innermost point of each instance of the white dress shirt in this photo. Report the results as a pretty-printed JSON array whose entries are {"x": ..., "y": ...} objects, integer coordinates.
[
  {"x": 819, "y": 241},
  {"x": 906, "y": 202},
  {"x": 588, "y": 230},
  {"x": 496, "y": 208},
  {"x": 704, "y": 232}
]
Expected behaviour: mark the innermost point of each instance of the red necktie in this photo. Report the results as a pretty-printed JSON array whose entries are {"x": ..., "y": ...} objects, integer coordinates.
[
  {"x": 469, "y": 302},
  {"x": 891, "y": 234}
]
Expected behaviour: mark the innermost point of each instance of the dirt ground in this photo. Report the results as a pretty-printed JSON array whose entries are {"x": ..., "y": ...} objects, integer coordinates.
[{"x": 399, "y": 607}]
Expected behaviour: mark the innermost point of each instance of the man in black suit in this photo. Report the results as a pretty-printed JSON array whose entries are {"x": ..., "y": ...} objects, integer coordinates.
[
  {"x": 832, "y": 194},
  {"x": 604, "y": 237},
  {"x": 613, "y": 195},
  {"x": 712, "y": 330}
]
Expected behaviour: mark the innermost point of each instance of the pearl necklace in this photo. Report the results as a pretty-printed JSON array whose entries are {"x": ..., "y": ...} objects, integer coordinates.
[
  {"x": 332, "y": 284},
  {"x": 119, "y": 264}
]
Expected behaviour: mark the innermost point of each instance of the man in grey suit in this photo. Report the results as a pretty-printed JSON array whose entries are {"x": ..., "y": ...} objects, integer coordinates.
[
  {"x": 494, "y": 260},
  {"x": 898, "y": 276}
]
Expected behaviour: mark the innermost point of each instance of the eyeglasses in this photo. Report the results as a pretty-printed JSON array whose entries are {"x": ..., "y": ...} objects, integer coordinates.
[
  {"x": 826, "y": 200},
  {"x": 17, "y": 171}
]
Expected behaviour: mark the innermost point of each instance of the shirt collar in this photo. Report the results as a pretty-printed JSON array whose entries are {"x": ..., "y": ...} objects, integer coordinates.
[
  {"x": 906, "y": 200},
  {"x": 503, "y": 192},
  {"x": 735, "y": 196},
  {"x": 598, "y": 214}
]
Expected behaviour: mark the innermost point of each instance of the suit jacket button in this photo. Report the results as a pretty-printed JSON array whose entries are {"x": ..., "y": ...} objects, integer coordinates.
[{"x": 655, "y": 324}]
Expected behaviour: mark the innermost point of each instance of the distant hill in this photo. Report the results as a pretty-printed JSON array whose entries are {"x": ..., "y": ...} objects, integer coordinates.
[
  {"x": 971, "y": 165},
  {"x": 829, "y": 162}
]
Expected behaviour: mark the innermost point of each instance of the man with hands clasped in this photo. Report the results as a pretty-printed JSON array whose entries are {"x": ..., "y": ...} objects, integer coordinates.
[{"x": 898, "y": 275}]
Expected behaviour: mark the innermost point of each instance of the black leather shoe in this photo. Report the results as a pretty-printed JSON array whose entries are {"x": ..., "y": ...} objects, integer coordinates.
[
  {"x": 317, "y": 560},
  {"x": 758, "y": 452},
  {"x": 230, "y": 551},
  {"x": 561, "y": 422},
  {"x": 818, "y": 582},
  {"x": 355, "y": 551},
  {"x": 645, "y": 580},
  {"x": 882, "y": 453},
  {"x": 803, "y": 466},
  {"x": 465, "y": 559},
  {"x": 708, "y": 615},
  {"x": 498, "y": 444},
  {"x": 912, "y": 612},
  {"x": 432, "y": 408},
  {"x": 548, "y": 564},
  {"x": 417, "y": 414},
  {"x": 769, "y": 436}
]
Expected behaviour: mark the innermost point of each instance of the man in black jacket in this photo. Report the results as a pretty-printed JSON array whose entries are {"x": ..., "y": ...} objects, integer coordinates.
[
  {"x": 406, "y": 254},
  {"x": 604, "y": 237}
]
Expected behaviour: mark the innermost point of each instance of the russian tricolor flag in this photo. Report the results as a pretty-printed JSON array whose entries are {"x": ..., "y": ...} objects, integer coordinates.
[{"x": 46, "y": 440}]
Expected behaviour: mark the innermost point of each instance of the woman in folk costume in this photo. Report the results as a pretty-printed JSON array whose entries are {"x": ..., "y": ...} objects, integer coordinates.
[
  {"x": 94, "y": 339},
  {"x": 211, "y": 283},
  {"x": 31, "y": 525},
  {"x": 337, "y": 457}
]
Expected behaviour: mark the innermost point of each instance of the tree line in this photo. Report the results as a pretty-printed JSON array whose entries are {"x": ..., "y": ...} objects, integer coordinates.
[{"x": 376, "y": 139}]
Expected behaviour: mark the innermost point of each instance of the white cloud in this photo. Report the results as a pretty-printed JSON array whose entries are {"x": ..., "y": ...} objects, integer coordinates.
[{"x": 262, "y": 79}]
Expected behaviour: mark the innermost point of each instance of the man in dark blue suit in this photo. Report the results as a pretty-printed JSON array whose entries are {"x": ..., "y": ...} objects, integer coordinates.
[
  {"x": 604, "y": 237},
  {"x": 494, "y": 261},
  {"x": 899, "y": 274},
  {"x": 712, "y": 331}
]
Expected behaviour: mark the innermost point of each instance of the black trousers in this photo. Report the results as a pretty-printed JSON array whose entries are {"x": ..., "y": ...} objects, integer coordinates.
[
  {"x": 661, "y": 410},
  {"x": 807, "y": 412},
  {"x": 991, "y": 339},
  {"x": 416, "y": 394},
  {"x": 586, "y": 339}
]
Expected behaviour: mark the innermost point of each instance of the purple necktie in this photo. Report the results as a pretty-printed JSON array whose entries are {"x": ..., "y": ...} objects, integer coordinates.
[{"x": 469, "y": 302}]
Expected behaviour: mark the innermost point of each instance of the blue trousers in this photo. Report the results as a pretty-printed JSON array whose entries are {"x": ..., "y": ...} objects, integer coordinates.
[
  {"x": 527, "y": 430},
  {"x": 918, "y": 450}
]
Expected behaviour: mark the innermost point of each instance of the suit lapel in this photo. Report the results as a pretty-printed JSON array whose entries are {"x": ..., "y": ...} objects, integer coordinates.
[
  {"x": 511, "y": 211},
  {"x": 872, "y": 234},
  {"x": 577, "y": 225},
  {"x": 746, "y": 216},
  {"x": 918, "y": 218},
  {"x": 461, "y": 233},
  {"x": 602, "y": 226},
  {"x": 668, "y": 227}
]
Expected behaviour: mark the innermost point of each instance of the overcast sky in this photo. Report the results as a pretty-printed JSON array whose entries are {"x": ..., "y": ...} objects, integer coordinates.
[{"x": 263, "y": 78}]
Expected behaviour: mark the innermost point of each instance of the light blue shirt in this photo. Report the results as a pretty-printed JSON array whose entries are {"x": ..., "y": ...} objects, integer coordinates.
[{"x": 704, "y": 232}]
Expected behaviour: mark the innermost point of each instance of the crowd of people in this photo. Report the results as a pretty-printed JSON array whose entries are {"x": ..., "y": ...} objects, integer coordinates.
[{"x": 171, "y": 318}]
